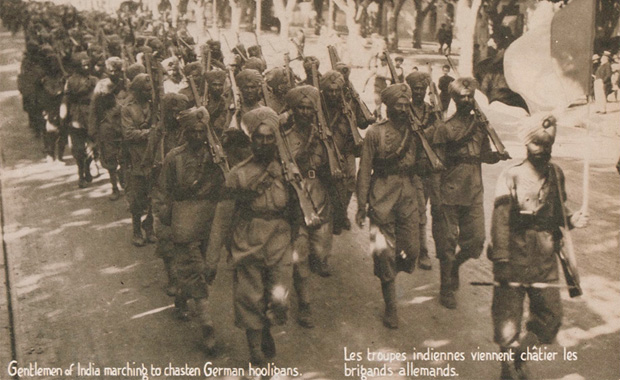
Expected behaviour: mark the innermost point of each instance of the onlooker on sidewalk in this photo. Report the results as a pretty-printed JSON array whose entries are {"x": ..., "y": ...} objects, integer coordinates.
[{"x": 602, "y": 84}]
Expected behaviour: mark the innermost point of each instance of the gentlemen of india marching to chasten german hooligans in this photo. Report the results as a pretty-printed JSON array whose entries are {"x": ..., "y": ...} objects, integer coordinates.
[{"x": 526, "y": 238}]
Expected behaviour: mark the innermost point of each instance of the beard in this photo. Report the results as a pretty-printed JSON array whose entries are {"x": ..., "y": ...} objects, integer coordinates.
[
  {"x": 397, "y": 116},
  {"x": 539, "y": 159},
  {"x": 264, "y": 153}
]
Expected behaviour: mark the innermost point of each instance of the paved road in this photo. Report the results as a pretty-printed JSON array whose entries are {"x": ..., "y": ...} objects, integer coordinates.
[{"x": 82, "y": 293}]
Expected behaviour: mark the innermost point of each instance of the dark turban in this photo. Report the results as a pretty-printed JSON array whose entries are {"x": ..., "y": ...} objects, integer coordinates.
[
  {"x": 174, "y": 102},
  {"x": 276, "y": 76},
  {"x": 463, "y": 86},
  {"x": 418, "y": 78},
  {"x": 255, "y": 64},
  {"x": 254, "y": 51},
  {"x": 195, "y": 118},
  {"x": 392, "y": 93},
  {"x": 134, "y": 70},
  {"x": 139, "y": 82},
  {"x": 330, "y": 78},
  {"x": 297, "y": 94},
  {"x": 193, "y": 69},
  {"x": 260, "y": 116},
  {"x": 114, "y": 63},
  {"x": 216, "y": 76},
  {"x": 77, "y": 58},
  {"x": 248, "y": 76},
  {"x": 309, "y": 60},
  {"x": 343, "y": 69}
]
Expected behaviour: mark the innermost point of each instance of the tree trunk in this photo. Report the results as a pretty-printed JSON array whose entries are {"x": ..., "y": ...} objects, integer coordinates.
[
  {"x": 466, "y": 17},
  {"x": 392, "y": 35},
  {"x": 417, "y": 32},
  {"x": 354, "y": 37},
  {"x": 284, "y": 13},
  {"x": 235, "y": 15}
]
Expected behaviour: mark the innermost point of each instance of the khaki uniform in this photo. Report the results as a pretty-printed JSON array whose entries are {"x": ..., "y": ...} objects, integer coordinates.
[{"x": 385, "y": 181}]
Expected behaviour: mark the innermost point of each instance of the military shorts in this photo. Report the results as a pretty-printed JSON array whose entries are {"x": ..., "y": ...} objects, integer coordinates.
[
  {"x": 110, "y": 154},
  {"x": 312, "y": 247},
  {"x": 462, "y": 226},
  {"x": 138, "y": 194},
  {"x": 190, "y": 267}
]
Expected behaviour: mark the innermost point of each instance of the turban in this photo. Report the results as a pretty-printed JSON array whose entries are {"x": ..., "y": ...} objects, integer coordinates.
[
  {"x": 254, "y": 51},
  {"x": 174, "y": 102},
  {"x": 114, "y": 63},
  {"x": 276, "y": 76},
  {"x": 399, "y": 59},
  {"x": 139, "y": 82},
  {"x": 343, "y": 68},
  {"x": 330, "y": 78},
  {"x": 214, "y": 45},
  {"x": 538, "y": 128},
  {"x": 193, "y": 69},
  {"x": 392, "y": 93},
  {"x": 261, "y": 116},
  {"x": 309, "y": 60},
  {"x": 169, "y": 63},
  {"x": 216, "y": 76},
  {"x": 418, "y": 78},
  {"x": 195, "y": 118},
  {"x": 155, "y": 44},
  {"x": 104, "y": 86},
  {"x": 77, "y": 58},
  {"x": 463, "y": 86},
  {"x": 248, "y": 76},
  {"x": 255, "y": 64},
  {"x": 297, "y": 94},
  {"x": 134, "y": 70}
]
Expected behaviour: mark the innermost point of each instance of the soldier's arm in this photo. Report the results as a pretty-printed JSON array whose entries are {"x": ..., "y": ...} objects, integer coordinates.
[
  {"x": 131, "y": 124},
  {"x": 154, "y": 139},
  {"x": 222, "y": 224},
  {"x": 162, "y": 192},
  {"x": 487, "y": 155},
  {"x": 500, "y": 220},
  {"x": 365, "y": 169}
]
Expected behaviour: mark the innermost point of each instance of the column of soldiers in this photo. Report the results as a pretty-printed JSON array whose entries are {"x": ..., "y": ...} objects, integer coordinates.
[{"x": 220, "y": 158}]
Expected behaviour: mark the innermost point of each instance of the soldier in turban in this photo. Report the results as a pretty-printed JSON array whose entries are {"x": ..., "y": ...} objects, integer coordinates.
[
  {"x": 217, "y": 104},
  {"x": 424, "y": 118},
  {"x": 263, "y": 224},
  {"x": 174, "y": 81},
  {"x": 194, "y": 70},
  {"x": 309, "y": 61},
  {"x": 387, "y": 194},
  {"x": 463, "y": 145},
  {"x": 528, "y": 212},
  {"x": 187, "y": 192},
  {"x": 136, "y": 125},
  {"x": 255, "y": 63},
  {"x": 278, "y": 81},
  {"x": 313, "y": 245}
]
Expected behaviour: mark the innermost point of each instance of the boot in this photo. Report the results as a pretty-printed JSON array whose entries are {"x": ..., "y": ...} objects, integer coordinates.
[
  {"x": 87, "y": 176},
  {"x": 254, "y": 337},
  {"x": 459, "y": 259},
  {"x": 147, "y": 225},
  {"x": 171, "y": 288},
  {"x": 390, "y": 318},
  {"x": 116, "y": 194},
  {"x": 181, "y": 311},
  {"x": 208, "y": 333},
  {"x": 304, "y": 315},
  {"x": 137, "y": 239},
  {"x": 424, "y": 261},
  {"x": 446, "y": 292},
  {"x": 82, "y": 183},
  {"x": 268, "y": 345}
]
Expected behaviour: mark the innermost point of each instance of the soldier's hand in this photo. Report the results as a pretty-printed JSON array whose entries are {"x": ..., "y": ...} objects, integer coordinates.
[
  {"x": 210, "y": 274},
  {"x": 360, "y": 217},
  {"x": 579, "y": 219}
]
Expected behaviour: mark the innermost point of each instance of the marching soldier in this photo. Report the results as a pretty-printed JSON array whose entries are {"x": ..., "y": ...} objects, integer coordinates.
[
  {"x": 193, "y": 70},
  {"x": 136, "y": 126},
  {"x": 188, "y": 189},
  {"x": 75, "y": 109},
  {"x": 426, "y": 119},
  {"x": 53, "y": 83},
  {"x": 463, "y": 145},
  {"x": 278, "y": 85},
  {"x": 312, "y": 246},
  {"x": 261, "y": 233},
  {"x": 217, "y": 104},
  {"x": 525, "y": 230},
  {"x": 387, "y": 194}
]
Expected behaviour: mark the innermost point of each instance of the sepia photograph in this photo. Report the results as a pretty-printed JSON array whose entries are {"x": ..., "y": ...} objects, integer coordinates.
[{"x": 310, "y": 189}]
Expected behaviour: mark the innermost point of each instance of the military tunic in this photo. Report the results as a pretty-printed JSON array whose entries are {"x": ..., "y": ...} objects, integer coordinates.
[{"x": 385, "y": 182}]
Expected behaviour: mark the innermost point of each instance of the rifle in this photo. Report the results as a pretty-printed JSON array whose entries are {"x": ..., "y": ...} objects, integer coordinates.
[
  {"x": 501, "y": 149},
  {"x": 434, "y": 96},
  {"x": 335, "y": 159},
  {"x": 236, "y": 103},
  {"x": 287, "y": 66},
  {"x": 347, "y": 110},
  {"x": 567, "y": 253},
  {"x": 414, "y": 125},
  {"x": 154, "y": 82},
  {"x": 293, "y": 176},
  {"x": 215, "y": 147}
]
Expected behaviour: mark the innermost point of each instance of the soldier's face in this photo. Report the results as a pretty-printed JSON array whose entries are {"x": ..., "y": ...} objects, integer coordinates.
[
  {"x": 282, "y": 88},
  {"x": 464, "y": 102},
  {"x": 539, "y": 151},
  {"x": 114, "y": 72},
  {"x": 264, "y": 143},
  {"x": 196, "y": 135},
  {"x": 304, "y": 111},
  {"x": 216, "y": 88},
  {"x": 251, "y": 92},
  {"x": 399, "y": 111},
  {"x": 418, "y": 91},
  {"x": 332, "y": 94}
]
